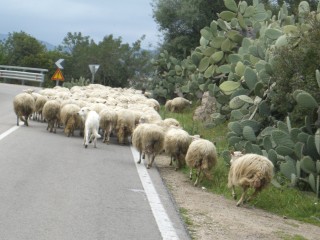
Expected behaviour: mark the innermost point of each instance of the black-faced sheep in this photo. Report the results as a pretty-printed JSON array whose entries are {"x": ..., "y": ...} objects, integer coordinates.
[
  {"x": 249, "y": 170},
  {"x": 148, "y": 139},
  {"x": 91, "y": 126},
  {"x": 176, "y": 144},
  {"x": 177, "y": 104},
  {"x": 24, "y": 106},
  {"x": 70, "y": 119},
  {"x": 201, "y": 155},
  {"x": 51, "y": 113},
  {"x": 125, "y": 125},
  {"x": 108, "y": 121}
]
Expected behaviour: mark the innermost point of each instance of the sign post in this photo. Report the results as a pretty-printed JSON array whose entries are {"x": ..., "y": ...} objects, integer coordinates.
[
  {"x": 57, "y": 76},
  {"x": 93, "y": 69}
]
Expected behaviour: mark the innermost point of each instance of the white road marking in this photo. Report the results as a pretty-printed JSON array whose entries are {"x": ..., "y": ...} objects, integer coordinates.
[
  {"x": 163, "y": 221},
  {"x": 9, "y": 131}
]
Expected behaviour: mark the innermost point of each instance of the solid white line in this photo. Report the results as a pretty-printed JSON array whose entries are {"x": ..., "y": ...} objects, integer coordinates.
[
  {"x": 6, "y": 133},
  {"x": 163, "y": 221}
]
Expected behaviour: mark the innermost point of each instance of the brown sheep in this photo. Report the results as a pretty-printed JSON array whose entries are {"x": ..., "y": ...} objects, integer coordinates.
[
  {"x": 70, "y": 119},
  {"x": 51, "y": 113},
  {"x": 249, "y": 170}
]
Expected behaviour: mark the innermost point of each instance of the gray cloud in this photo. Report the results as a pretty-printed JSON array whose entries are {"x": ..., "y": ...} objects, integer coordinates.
[{"x": 51, "y": 20}]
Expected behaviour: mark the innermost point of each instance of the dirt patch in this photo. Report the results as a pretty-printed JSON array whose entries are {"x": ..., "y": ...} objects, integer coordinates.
[{"x": 214, "y": 217}]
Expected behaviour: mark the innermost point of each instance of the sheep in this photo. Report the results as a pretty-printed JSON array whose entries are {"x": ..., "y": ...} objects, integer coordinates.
[
  {"x": 125, "y": 125},
  {"x": 201, "y": 155},
  {"x": 148, "y": 139},
  {"x": 177, "y": 104},
  {"x": 108, "y": 121},
  {"x": 41, "y": 100},
  {"x": 51, "y": 113},
  {"x": 70, "y": 118},
  {"x": 249, "y": 170},
  {"x": 153, "y": 103},
  {"x": 176, "y": 144},
  {"x": 169, "y": 123},
  {"x": 24, "y": 106},
  {"x": 91, "y": 126}
]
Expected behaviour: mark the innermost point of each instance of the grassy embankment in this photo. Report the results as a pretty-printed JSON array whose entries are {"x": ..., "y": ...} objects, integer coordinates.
[{"x": 285, "y": 201}]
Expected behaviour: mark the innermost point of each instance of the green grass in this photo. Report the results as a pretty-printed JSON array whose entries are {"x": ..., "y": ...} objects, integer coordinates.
[{"x": 285, "y": 201}]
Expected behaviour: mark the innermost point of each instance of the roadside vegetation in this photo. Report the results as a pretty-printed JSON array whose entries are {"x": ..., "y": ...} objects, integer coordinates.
[{"x": 284, "y": 200}]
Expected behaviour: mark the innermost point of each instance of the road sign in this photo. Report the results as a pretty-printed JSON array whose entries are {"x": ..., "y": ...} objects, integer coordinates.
[
  {"x": 58, "y": 63},
  {"x": 58, "y": 75},
  {"x": 93, "y": 69}
]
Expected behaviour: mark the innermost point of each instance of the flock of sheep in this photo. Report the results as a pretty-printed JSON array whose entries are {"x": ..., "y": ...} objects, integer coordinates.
[{"x": 133, "y": 118}]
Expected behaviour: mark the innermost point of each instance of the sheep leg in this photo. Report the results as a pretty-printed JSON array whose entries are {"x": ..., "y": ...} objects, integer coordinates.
[
  {"x": 243, "y": 196},
  {"x": 255, "y": 193},
  {"x": 17, "y": 121},
  {"x": 171, "y": 160},
  {"x": 151, "y": 160},
  {"x": 26, "y": 120},
  {"x": 234, "y": 195},
  {"x": 139, "y": 161},
  {"x": 108, "y": 134},
  {"x": 198, "y": 177},
  {"x": 55, "y": 123},
  {"x": 190, "y": 174},
  {"x": 177, "y": 163},
  {"x": 104, "y": 136}
]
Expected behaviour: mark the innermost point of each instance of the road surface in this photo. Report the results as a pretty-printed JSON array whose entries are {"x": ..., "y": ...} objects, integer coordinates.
[{"x": 51, "y": 187}]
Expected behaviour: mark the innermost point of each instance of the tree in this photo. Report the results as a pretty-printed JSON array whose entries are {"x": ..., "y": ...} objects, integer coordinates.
[
  {"x": 24, "y": 50},
  {"x": 181, "y": 22}
]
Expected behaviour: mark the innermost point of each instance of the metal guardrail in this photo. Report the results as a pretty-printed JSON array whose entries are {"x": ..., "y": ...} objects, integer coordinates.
[{"x": 20, "y": 73}]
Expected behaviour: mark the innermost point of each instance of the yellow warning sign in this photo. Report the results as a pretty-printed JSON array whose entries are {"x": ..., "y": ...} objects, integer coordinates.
[{"x": 58, "y": 75}]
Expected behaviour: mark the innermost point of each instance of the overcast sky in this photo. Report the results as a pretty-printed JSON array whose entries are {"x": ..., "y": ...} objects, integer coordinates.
[{"x": 51, "y": 20}]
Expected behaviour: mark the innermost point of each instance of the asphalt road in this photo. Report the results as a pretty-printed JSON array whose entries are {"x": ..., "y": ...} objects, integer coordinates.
[{"x": 51, "y": 187}]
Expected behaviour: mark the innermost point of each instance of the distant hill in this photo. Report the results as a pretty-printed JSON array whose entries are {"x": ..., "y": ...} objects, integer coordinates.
[{"x": 48, "y": 46}]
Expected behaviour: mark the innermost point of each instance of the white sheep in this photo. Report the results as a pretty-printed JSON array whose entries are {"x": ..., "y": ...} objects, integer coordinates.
[
  {"x": 40, "y": 101},
  {"x": 148, "y": 139},
  {"x": 249, "y": 170},
  {"x": 125, "y": 125},
  {"x": 168, "y": 123},
  {"x": 91, "y": 126},
  {"x": 24, "y": 106},
  {"x": 51, "y": 113},
  {"x": 108, "y": 121},
  {"x": 176, "y": 144},
  {"x": 177, "y": 104},
  {"x": 201, "y": 155},
  {"x": 70, "y": 119},
  {"x": 153, "y": 103}
]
